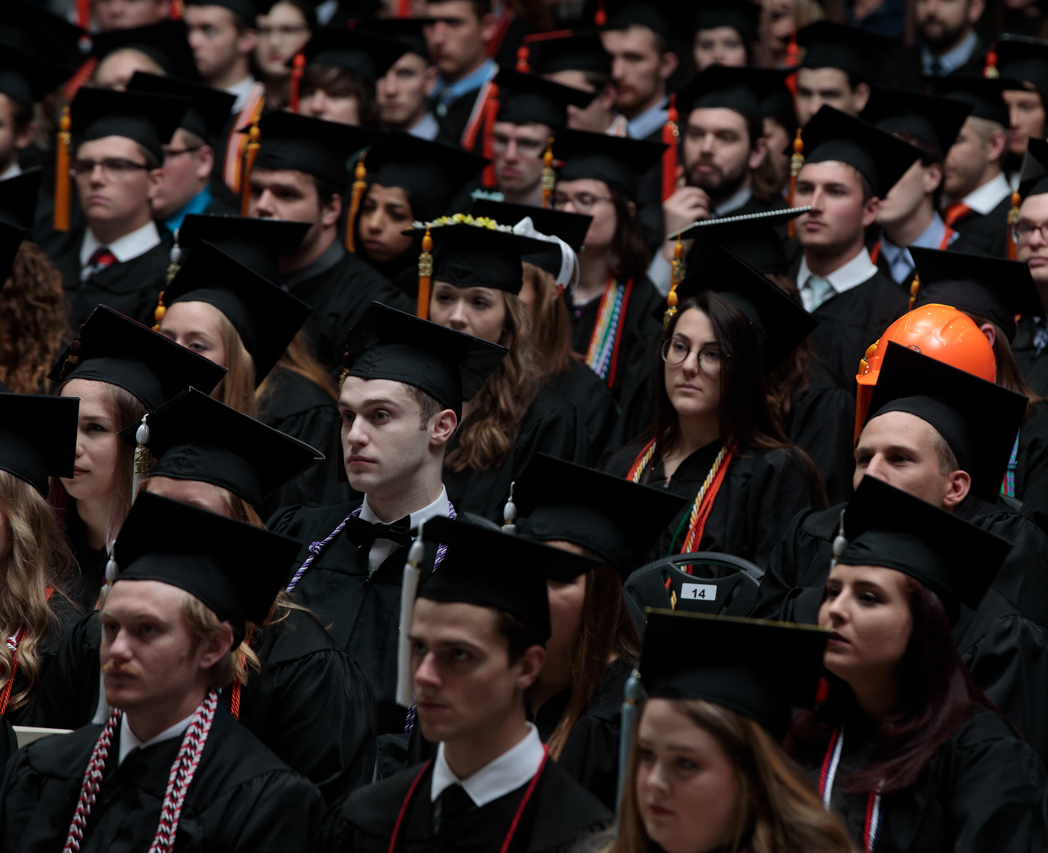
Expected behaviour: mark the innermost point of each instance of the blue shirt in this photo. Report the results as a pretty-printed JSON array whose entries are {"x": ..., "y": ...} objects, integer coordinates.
[
  {"x": 649, "y": 121},
  {"x": 952, "y": 59},
  {"x": 445, "y": 94},
  {"x": 900, "y": 262},
  {"x": 197, "y": 204}
]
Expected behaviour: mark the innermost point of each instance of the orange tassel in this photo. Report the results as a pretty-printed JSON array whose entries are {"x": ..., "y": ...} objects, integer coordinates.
[
  {"x": 1013, "y": 219},
  {"x": 523, "y": 55},
  {"x": 298, "y": 67},
  {"x": 360, "y": 184},
  {"x": 404, "y": 8},
  {"x": 796, "y": 161},
  {"x": 83, "y": 74},
  {"x": 990, "y": 71},
  {"x": 83, "y": 14},
  {"x": 425, "y": 275},
  {"x": 600, "y": 17},
  {"x": 178, "y": 10},
  {"x": 549, "y": 177},
  {"x": 792, "y": 51},
  {"x": 670, "y": 134},
  {"x": 491, "y": 109},
  {"x": 915, "y": 288},
  {"x": 249, "y": 160},
  {"x": 62, "y": 176}
]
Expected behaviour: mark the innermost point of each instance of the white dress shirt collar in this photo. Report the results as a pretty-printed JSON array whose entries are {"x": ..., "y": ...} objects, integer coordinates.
[
  {"x": 858, "y": 270},
  {"x": 242, "y": 91},
  {"x": 497, "y": 778},
  {"x": 125, "y": 248},
  {"x": 129, "y": 740},
  {"x": 989, "y": 195},
  {"x": 384, "y": 547},
  {"x": 12, "y": 171},
  {"x": 426, "y": 127}
]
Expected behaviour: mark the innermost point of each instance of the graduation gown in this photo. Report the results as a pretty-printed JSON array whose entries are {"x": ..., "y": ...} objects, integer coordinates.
[
  {"x": 559, "y": 814},
  {"x": 1032, "y": 458},
  {"x": 8, "y": 741},
  {"x": 84, "y": 590},
  {"x": 454, "y": 120},
  {"x": 985, "y": 233},
  {"x": 580, "y": 387},
  {"x": 1003, "y": 643},
  {"x": 1033, "y": 366},
  {"x": 981, "y": 790},
  {"x": 903, "y": 68},
  {"x": 550, "y": 425},
  {"x": 821, "y": 422},
  {"x": 242, "y": 797},
  {"x": 761, "y": 491},
  {"x": 591, "y": 754}
]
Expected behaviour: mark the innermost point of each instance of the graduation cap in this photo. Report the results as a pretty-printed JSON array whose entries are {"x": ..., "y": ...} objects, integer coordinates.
[
  {"x": 246, "y": 9},
  {"x": 579, "y": 51},
  {"x": 780, "y": 106},
  {"x": 195, "y": 437},
  {"x": 976, "y": 418},
  {"x": 266, "y": 316},
  {"x": 1033, "y": 180},
  {"x": 113, "y": 348},
  {"x": 209, "y": 109},
  {"x": 761, "y": 670},
  {"x": 166, "y": 43},
  {"x": 448, "y": 365},
  {"x": 933, "y": 120},
  {"x": 28, "y": 78},
  {"x": 749, "y": 235},
  {"x": 890, "y": 528},
  {"x": 982, "y": 93},
  {"x": 1023, "y": 58},
  {"x": 150, "y": 120},
  {"x": 850, "y": 49},
  {"x": 489, "y": 568},
  {"x": 617, "y": 161},
  {"x": 655, "y": 16},
  {"x": 236, "y": 569},
  {"x": 38, "y": 435},
  {"x": 469, "y": 254},
  {"x": 743, "y": 16},
  {"x": 741, "y": 89},
  {"x": 369, "y": 55},
  {"x": 878, "y": 156},
  {"x": 407, "y": 31},
  {"x": 18, "y": 197},
  {"x": 33, "y": 29},
  {"x": 990, "y": 287},
  {"x": 781, "y": 323},
  {"x": 255, "y": 243},
  {"x": 613, "y": 517},
  {"x": 525, "y": 98}
]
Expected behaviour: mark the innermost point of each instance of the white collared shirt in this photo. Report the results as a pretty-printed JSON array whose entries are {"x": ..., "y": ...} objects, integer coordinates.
[
  {"x": 732, "y": 203},
  {"x": 12, "y": 171},
  {"x": 242, "y": 90},
  {"x": 497, "y": 778},
  {"x": 384, "y": 547},
  {"x": 129, "y": 740},
  {"x": 125, "y": 248},
  {"x": 858, "y": 270},
  {"x": 989, "y": 195},
  {"x": 426, "y": 127}
]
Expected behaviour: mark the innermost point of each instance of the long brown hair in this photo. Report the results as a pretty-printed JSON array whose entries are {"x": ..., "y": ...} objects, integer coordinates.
[
  {"x": 779, "y": 809},
  {"x": 550, "y": 324},
  {"x": 1008, "y": 375},
  {"x": 487, "y": 435},
  {"x": 627, "y": 254},
  {"x": 237, "y": 388},
  {"x": 38, "y": 558},
  {"x": 296, "y": 359}
]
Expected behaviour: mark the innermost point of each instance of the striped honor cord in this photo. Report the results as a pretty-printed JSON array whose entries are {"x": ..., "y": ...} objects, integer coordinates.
[{"x": 872, "y": 822}]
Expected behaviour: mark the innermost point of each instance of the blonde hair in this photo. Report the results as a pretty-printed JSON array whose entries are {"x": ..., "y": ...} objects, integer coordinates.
[
  {"x": 203, "y": 624},
  {"x": 237, "y": 388},
  {"x": 779, "y": 809},
  {"x": 551, "y": 326},
  {"x": 38, "y": 558}
]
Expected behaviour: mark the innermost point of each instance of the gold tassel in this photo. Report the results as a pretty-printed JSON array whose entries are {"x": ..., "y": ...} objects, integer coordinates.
[
  {"x": 62, "y": 178},
  {"x": 915, "y": 288},
  {"x": 676, "y": 277},
  {"x": 549, "y": 177},
  {"x": 359, "y": 185},
  {"x": 425, "y": 275},
  {"x": 796, "y": 162},
  {"x": 253, "y": 136},
  {"x": 1013, "y": 220}
]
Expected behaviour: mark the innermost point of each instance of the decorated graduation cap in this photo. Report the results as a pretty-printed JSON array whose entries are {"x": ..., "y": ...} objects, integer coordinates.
[
  {"x": 407, "y": 31},
  {"x": 195, "y": 437},
  {"x": 932, "y": 119},
  {"x": 209, "y": 108},
  {"x": 578, "y": 51},
  {"x": 255, "y": 243},
  {"x": 1025, "y": 59},
  {"x": 982, "y": 93},
  {"x": 235, "y": 569},
  {"x": 525, "y": 98},
  {"x": 617, "y": 161},
  {"x": 610, "y": 516},
  {"x": 741, "y": 89},
  {"x": 750, "y": 235},
  {"x": 18, "y": 197},
  {"x": 992, "y": 288},
  {"x": 449, "y": 366},
  {"x": 976, "y": 418},
  {"x": 38, "y": 437},
  {"x": 761, "y": 670},
  {"x": 166, "y": 43},
  {"x": 113, "y": 348},
  {"x": 246, "y": 9},
  {"x": 887, "y": 527},
  {"x": 1033, "y": 180},
  {"x": 849, "y": 49},
  {"x": 27, "y": 78},
  {"x": 367, "y": 54},
  {"x": 148, "y": 119}
]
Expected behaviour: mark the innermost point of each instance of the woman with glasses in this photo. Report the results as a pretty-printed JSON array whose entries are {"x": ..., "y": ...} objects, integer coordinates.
[
  {"x": 282, "y": 32},
  {"x": 713, "y": 439}
]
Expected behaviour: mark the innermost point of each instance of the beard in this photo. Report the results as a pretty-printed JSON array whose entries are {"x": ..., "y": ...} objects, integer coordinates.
[
  {"x": 945, "y": 38},
  {"x": 717, "y": 184}
]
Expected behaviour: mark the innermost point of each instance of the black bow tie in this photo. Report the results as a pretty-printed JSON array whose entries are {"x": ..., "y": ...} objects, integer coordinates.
[{"x": 364, "y": 533}]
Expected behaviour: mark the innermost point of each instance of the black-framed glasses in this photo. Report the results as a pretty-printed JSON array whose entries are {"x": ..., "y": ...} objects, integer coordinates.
[
  {"x": 675, "y": 351},
  {"x": 112, "y": 167},
  {"x": 1022, "y": 232}
]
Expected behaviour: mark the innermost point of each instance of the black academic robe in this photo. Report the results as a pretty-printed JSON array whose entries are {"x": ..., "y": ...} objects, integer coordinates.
[
  {"x": 1032, "y": 365},
  {"x": 1003, "y": 642},
  {"x": 591, "y": 754},
  {"x": 241, "y": 798},
  {"x": 985, "y": 233},
  {"x": 821, "y": 422},
  {"x": 453, "y": 121},
  {"x": 1032, "y": 458},
  {"x": 84, "y": 589},
  {"x": 902, "y": 67},
  {"x": 8, "y": 742},
  {"x": 550, "y": 425},
  {"x": 559, "y": 814},
  {"x": 595, "y": 405},
  {"x": 980, "y": 791},
  {"x": 761, "y": 491}
]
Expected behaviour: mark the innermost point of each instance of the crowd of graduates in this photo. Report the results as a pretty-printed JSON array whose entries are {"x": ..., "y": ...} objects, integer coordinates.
[{"x": 524, "y": 426}]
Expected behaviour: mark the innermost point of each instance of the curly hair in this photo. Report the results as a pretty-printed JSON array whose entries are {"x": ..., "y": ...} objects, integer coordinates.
[{"x": 33, "y": 326}]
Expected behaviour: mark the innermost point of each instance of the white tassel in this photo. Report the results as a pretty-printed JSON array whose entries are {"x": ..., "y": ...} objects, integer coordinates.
[
  {"x": 509, "y": 514},
  {"x": 103, "y": 710},
  {"x": 143, "y": 460},
  {"x": 409, "y": 587}
]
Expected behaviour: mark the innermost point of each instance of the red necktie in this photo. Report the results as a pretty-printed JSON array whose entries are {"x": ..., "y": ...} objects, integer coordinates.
[
  {"x": 954, "y": 212},
  {"x": 99, "y": 260}
]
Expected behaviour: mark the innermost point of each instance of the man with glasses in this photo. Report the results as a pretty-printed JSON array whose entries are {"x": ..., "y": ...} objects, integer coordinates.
[
  {"x": 1030, "y": 236},
  {"x": 117, "y": 257}
]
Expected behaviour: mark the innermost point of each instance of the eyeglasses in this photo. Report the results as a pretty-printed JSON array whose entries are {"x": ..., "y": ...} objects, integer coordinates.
[
  {"x": 112, "y": 167},
  {"x": 583, "y": 202},
  {"x": 1022, "y": 232},
  {"x": 177, "y": 152},
  {"x": 675, "y": 351},
  {"x": 287, "y": 31}
]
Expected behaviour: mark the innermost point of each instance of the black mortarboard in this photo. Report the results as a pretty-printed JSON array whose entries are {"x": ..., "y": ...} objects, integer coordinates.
[
  {"x": 246, "y": 9},
  {"x": 113, "y": 348},
  {"x": 18, "y": 197},
  {"x": 781, "y": 323},
  {"x": 761, "y": 670},
  {"x": 266, "y": 317},
  {"x": 751, "y": 236},
  {"x": 493, "y": 569},
  {"x": 1033, "y": 180},
  {"x": 234, "y": 568},
  {"x": 779, "y": 105},
  {"x": 741, "y": 15},
  {"x": 38, "y": 437},
  {"x": 570, "y": 227},
  {"x": 878, "y": 156},
  {"x": 448, "y": 365},
  {"x": 311, "y": 145},
  {"x": 407, "y": 31},
  {"x": 579, "y": 51},
  {"x": 475, "y": 256},
  {"x": 990, "y": 287},
  {"x": 613, "y": 517},
  {"x": 209, "y": 108},
  {"x": 255, "y": 243},
  {"x": 525, "y": 98},
  {"x": 27, "y": 78},
  {"x": 623, "y": 14},
  {"x": 850, "y": 49},
  {"x": 983, "y": 93},
  {"x": 890, "y": 528},
  {"x": 366, "y": 54},
  {"x": 195, "y": 437},
  {"x": 740, "y": 89},
  {"x": 976, "y": 418},
  {"x": 1023, "y": 58},
  {"x": 933, "y": 120},
  {"x": 149, "y": 120},
  {"x": 32, "y": 28},
  {"x": 166, "y": 43},
  {"x": 617, "y": 161}
]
